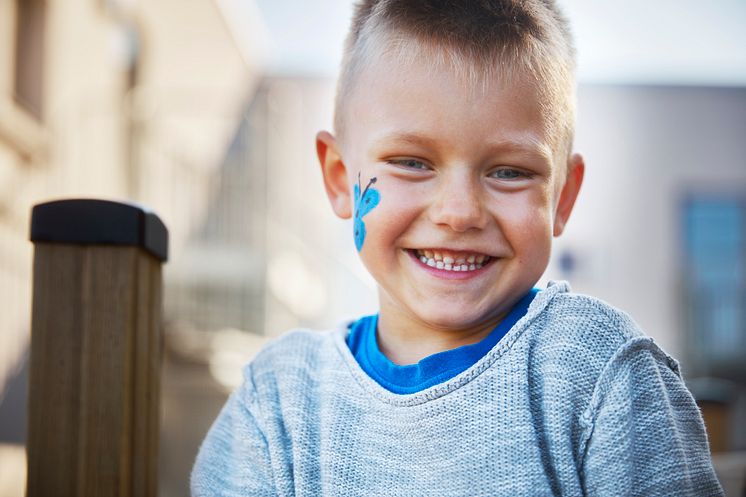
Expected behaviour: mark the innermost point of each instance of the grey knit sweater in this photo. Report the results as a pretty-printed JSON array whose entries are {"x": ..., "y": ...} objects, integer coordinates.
[{"x": 573, "y": 401}]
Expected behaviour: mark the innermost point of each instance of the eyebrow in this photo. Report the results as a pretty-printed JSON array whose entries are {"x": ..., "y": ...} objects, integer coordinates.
[{"x": 527, "y": 146}]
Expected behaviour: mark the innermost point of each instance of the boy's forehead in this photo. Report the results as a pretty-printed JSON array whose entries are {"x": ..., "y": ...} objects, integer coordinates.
[
  {"x": 419, "y": 99},
  {"x": 402, "y": 54},
  {"x": 394, "y": 79},
  {"x": 398, "y": 56}
]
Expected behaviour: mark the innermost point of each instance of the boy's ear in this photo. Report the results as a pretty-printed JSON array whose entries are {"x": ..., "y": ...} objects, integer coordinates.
[
  {"x": 335, "y": 174},
  {"x": 570, "y": 190}
]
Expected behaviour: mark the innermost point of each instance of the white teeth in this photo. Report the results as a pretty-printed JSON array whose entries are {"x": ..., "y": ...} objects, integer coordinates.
[
  {"x": 449, "y": 263},
  {"x": 449, "y": 258}
]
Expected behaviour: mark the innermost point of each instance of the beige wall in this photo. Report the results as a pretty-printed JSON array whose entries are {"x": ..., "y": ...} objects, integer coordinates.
[
  {"x": 99, "y": 138},
  {"x": 645, "y": 149},
  {"x": 314, "y": 275}
]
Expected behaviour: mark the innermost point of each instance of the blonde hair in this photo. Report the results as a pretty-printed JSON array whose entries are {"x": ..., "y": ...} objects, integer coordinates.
[{"x": 480, "y": 40}]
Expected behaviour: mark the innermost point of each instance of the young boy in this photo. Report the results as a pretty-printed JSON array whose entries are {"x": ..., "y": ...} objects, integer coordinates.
[{"x": 454, "y": 126}]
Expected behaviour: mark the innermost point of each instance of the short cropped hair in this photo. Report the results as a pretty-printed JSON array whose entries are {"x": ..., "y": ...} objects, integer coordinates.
[{"x": 478, "y": 39}]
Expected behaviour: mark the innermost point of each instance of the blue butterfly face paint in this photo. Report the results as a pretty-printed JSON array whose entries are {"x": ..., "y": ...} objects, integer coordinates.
[{"x": 364, "y": 203}]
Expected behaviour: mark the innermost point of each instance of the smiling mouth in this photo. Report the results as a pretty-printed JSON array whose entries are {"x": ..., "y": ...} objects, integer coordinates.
[{"x": 451, "y": 261}]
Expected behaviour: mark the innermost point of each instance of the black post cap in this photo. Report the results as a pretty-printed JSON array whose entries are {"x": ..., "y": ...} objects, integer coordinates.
[{"x": 99, "y": 222}]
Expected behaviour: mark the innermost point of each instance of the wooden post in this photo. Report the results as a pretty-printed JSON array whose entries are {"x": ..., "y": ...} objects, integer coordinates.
[{"x": 95, "y": 349}]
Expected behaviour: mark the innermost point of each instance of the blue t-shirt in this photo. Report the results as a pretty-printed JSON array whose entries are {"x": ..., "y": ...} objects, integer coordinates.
[{"x": 431, "y": 370}]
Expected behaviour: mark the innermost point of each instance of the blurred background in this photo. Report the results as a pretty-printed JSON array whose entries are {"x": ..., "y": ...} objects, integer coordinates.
[{"x": 206, "y": 111}]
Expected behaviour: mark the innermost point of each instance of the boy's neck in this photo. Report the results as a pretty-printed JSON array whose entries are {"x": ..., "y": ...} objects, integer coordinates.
[{"x": 407, "y": 341}]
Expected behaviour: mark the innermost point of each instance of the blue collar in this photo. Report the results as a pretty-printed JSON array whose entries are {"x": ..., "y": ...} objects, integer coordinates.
[{"x": 431, "y": 370}]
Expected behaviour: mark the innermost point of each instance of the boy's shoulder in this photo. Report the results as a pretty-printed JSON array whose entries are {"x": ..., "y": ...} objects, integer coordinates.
[
  {"x": 298, "y": 340},
  {"x": 585, "y": 334},
  {"x": 297, "y": 354},
  {"x": 303, "y": 342},
  {"x": 567, "y": 313}
]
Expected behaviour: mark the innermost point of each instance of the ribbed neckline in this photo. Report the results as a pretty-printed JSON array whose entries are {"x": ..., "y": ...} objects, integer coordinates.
[
  {"x": 367, "y": 383},
  {"x": 431, "y": 370}
]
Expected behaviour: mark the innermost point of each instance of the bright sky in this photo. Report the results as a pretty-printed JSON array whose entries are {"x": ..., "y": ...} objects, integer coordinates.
[{"x": 630, "y": 41}]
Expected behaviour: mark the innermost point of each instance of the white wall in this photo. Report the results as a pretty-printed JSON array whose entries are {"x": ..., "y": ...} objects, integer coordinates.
[{"x": 645, "y": 148}]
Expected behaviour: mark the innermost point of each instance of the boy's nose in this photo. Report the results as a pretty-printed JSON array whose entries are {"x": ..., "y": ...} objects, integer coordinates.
[{"x": 458, "y": 205}]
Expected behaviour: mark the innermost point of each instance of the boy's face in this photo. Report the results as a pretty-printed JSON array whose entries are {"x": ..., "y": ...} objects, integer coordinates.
[{"x": 462, "y": 175}]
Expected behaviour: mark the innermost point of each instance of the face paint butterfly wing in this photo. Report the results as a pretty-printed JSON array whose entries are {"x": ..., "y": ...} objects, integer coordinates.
[
  {"x": 359, "y": 233},
  {"x": 370, "y": 199},
  {"x": 364, "y": 203}
]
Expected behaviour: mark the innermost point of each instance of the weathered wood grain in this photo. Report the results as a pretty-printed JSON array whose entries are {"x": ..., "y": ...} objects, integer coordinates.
[{"x": 94, "y": 372}]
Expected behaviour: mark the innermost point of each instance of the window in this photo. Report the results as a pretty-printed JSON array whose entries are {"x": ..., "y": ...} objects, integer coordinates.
[
  {"x": 29, "y": 55},
  {"x": 715, "y": 284}
]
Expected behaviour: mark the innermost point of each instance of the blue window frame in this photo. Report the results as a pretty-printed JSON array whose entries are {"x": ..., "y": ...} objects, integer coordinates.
[{"x": 714, "y": 277}]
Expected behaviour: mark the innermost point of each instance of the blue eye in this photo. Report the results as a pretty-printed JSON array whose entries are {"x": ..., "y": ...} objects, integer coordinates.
[
  {"x": 410, "y": 164},
  {"x": 508, "y": 174}
]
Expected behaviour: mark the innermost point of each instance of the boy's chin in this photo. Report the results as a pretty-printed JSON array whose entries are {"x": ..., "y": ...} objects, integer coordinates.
[{"x": 456, "y": 320}]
